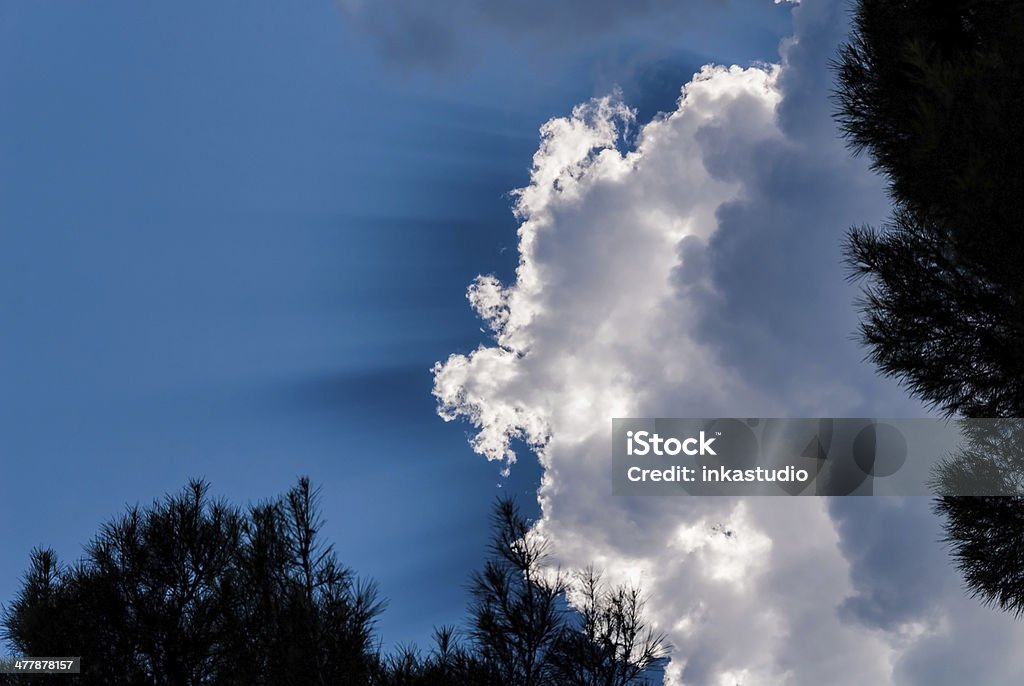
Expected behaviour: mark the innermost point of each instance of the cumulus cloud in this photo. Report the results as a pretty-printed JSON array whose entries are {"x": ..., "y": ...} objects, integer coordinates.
[
  {"x": 902, "y": 585},
  {"x": 697, "y": 274}
]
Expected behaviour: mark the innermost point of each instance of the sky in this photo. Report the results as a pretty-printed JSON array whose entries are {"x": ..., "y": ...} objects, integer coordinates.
[{"x": 247, "y": 241}]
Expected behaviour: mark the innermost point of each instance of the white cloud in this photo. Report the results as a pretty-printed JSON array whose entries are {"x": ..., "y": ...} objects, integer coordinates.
[{"x": 698, "y": 275}]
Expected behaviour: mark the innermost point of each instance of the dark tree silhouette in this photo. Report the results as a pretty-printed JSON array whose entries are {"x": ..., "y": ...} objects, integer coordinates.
[
  {"x": 986, "y": 532},
  {"x": 193, "y": 591},
  {"x": 451, "y": 663},
  {"x": 608, "y": 643},
  {"x": 989, "y": 462},
  {"x": 518, "y": 613},
  {"x": 524, "y": 632},
  {"x": 933, "y": 92}
]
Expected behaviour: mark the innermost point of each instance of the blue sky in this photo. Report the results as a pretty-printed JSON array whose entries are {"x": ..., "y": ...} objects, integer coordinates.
[{"x": 235, "y": 236}]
